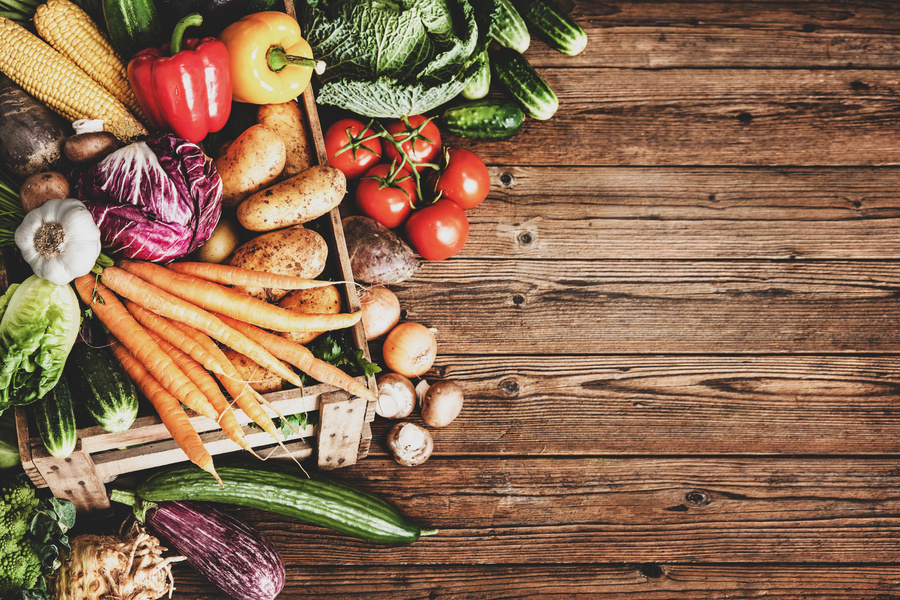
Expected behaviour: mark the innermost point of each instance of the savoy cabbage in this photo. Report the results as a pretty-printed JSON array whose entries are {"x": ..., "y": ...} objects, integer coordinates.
[{"x": 395, "y": 58}]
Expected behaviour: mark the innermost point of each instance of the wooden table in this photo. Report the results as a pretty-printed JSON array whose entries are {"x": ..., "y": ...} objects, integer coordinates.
[{"x": 675, "y": 325}]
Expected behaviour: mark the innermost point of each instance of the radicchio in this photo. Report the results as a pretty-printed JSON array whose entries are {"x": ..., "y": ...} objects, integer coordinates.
[{"x": 156, "y": 199}]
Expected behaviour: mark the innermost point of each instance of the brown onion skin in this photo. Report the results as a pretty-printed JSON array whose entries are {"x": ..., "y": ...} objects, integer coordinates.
[
  {"x": 409, "y": 349},
  {"x": 380, "y": 311}
]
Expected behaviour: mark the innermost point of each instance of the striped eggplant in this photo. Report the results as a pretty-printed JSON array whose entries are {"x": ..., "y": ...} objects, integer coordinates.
[{"x": 231, "y": 554}]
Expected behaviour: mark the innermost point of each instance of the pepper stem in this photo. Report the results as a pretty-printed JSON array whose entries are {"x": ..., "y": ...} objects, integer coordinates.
[
  {"x": 278, "y": 59},
  {"x": 191, "y": 20}
]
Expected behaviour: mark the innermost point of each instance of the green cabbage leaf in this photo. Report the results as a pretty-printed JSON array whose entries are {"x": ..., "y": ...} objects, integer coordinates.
[
  {"x": 39, "y": 324},
  {"x": 395, "y": 58}
]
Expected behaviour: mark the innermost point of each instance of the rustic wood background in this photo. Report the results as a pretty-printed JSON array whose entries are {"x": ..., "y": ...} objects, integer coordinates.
[{"x": 674, "y": 323}]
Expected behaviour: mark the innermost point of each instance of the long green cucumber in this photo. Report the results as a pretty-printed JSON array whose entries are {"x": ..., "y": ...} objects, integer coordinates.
[
  {"x": 54, "y": 415},
  {"x": 288, "y": 491}
]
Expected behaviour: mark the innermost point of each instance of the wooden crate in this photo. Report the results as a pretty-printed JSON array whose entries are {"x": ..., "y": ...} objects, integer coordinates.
[{"x": 341, "y": 434}]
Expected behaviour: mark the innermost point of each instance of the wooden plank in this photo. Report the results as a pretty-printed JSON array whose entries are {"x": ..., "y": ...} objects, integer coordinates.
[
  {"x": 623, "y": 307},
  {"x": 575, "y": 582},
  {"x": 648, "y": 34},
  {"x": 544, "y": 405},
  {"x": 341, "y": 420},
  {"x": 688, "y": 213},
  {"x": 634, "y": 511},
  {"x": 710, "y": 117},
  {"x": 73, "y": 478}
]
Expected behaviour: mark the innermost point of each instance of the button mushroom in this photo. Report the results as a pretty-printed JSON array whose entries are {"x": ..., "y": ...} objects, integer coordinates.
[
  {"x": 410, "y": 444},
  {"x": 396, "y": 396},
  {"x": 441, "y": 403}
]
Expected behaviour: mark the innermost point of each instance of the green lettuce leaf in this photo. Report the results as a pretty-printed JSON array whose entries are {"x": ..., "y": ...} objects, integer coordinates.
[
  {"x": 37, "y": 331},
  {"x": 394, "y": 58}
]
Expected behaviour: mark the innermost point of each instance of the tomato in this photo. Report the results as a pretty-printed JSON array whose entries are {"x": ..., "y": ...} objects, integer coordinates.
[
  {"x": 464, "y": 179},
  {"x": 419, "y": 137},
  {"x": 439, "y": 230},
  {"x": 385, "y": 196},
  {"x": 346, "y": 149}
]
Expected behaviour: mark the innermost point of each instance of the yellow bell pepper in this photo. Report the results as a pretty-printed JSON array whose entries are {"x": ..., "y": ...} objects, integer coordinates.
[{"x": 270, "y": 62}]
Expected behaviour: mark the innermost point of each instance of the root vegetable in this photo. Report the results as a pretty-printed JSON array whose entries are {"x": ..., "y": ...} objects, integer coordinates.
[
  {"x": 377, "y": 255},
  {"x": 225, "y": 239},
  {"x": 381, "y": 311},
  {"x": 409, "y": 349},
  {"x": 396, "y": 396},
  {"x": 442, "y": 403},
  {"x": 410, "y": 444},
  {"x": 41, "y": 187},
  {"x": 90, "y": 147},
  {"x": 131, "y": 566}
]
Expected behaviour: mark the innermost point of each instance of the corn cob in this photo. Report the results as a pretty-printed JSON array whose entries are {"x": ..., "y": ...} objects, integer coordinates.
[
  {"x": 59, "y": 83},
  {"x": 66, "y": 27}
]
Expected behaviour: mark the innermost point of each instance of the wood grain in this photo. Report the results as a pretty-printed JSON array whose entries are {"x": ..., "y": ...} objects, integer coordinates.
[
  {"x": 622, "y": 307},
  {"x": 646, "y": 581},
  {"x": 670, "y": 34},
  {"x": 669, "y": 405},
  {"x": 688, "y": 213},
  {"x": 761, "y": 117}
]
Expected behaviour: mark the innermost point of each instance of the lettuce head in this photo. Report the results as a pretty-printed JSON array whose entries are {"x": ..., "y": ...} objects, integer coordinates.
[
  {"x": 37, "y": 331},
  {"x": 395, "y": 58}
]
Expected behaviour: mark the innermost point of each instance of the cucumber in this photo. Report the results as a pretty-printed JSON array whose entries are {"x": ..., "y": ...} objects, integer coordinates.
[
  {"x": 132, "y": 25},
  {"x": 54, "y": 415},
  {"x": 102, "y": 386},
  {"x": 485, "y": 119},
  {"x": 552, "y": 24},
  {"x": 520, "y": 79},
  {"x": 480, "y": 83},
  {"x": 509, "y": 28},
  {"x": 286, "y": 490}
]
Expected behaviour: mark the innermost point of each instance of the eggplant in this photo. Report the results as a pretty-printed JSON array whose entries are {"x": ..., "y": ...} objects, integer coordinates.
[{"x": 231, "y": 554}]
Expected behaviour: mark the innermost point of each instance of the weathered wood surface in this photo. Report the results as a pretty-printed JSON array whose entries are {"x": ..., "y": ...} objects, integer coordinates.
[{"x": 675, "y": 325}]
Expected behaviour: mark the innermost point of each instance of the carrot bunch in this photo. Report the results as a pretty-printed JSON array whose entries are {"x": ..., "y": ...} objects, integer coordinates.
[{"x": 169, "y": 329}]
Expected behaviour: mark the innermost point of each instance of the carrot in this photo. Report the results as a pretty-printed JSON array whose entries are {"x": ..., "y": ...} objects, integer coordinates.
[
  {"x": 221, "y": 299},
  {"x": 247, "y": 399},
  {"x": 165, "y": 304},
  {"x": 229, "y": 275},
  {"x": 208, "y": 385},
  {"x": 300, "y": 356},
  {"x": 123, "y": 326},
  {"x": 174, "y": 334},
  {"x": 169, "y": 409}
]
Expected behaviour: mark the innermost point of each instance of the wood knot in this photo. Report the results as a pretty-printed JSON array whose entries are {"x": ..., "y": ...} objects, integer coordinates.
[
  {"x": 697, "y": 498},
  {"x": 506, "y": 179},
  {"x": 518, "y": 299},
  {"x": 651, "y": 571},
  {"x": 525, "y": 238},
  {"x": 509, "y": 387}
]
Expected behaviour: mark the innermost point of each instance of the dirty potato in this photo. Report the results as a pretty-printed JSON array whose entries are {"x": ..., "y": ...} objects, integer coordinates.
[
  {"x": 258, "y": 377},
  {"x": 293, "y": 251},
  {"x": 286, "y": 119},
  {"x": 321, "y": 301},
  {"x": 252, "y": 162},
  {"x": 294, "y": 201},
  {"x": 40, "y": 187}
]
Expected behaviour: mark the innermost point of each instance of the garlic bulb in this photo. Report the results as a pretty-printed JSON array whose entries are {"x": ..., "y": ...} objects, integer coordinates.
[{"x": 59, "y": 240}]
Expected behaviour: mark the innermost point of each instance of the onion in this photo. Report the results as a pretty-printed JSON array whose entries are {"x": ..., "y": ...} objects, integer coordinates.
[
  {"x": 380, "y": 311},
  {"x": 409, "y": 349}
]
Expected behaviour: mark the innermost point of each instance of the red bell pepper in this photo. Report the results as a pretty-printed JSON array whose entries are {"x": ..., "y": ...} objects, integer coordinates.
[{"x": 185, "y": 87}]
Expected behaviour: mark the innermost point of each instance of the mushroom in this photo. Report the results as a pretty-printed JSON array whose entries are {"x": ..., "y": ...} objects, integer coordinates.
[
  {"x": 411, "y": 444},
  {"x": 441, "y": 403},
  {"x": 396, "y": 396}
]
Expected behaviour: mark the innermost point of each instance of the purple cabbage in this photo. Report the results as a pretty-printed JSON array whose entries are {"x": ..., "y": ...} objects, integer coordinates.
[{"x": 156, "y": 199}]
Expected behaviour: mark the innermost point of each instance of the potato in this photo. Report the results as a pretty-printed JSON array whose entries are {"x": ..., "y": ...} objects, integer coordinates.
[
  {"x": 89, "y": 148},
  {"x": 377, "y": 255},
  {"x": 291, "y": 251},
  {"x": 225, "y": 238},
  {"x": 252, "y": 162},
  {"x": 294, "y": 201},
  {"x": 286, "y": 119},
  {"x": 324, "y": 300},
  {"x": 40, "y": 187},
  {"x": 260, "y": 379}
]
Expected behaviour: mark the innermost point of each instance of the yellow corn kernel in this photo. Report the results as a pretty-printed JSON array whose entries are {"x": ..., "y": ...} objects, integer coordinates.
[
  {"x": 59, "y": 83},
  {"x": 66, "y": 27}
]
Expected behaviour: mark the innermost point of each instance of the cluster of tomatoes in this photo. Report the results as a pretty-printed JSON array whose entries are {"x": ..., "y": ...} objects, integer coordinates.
[{"x": 406, "y": 178}]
